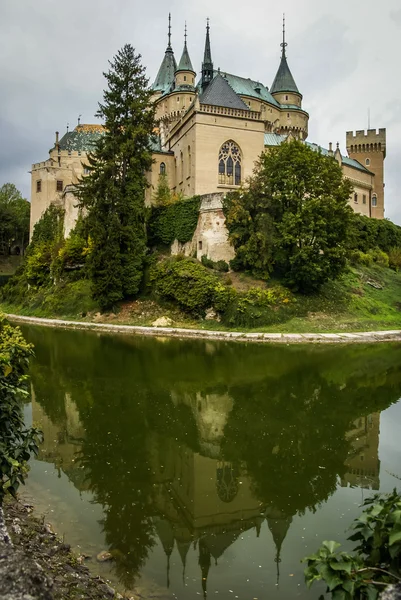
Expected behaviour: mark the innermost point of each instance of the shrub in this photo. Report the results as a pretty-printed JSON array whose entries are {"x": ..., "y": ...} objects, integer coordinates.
[
  {"x": 379, "y": 257},
  {"x": 219, "y": 265},
  {"x": 257, "y": 306},
  {"x": 186, "y": 281},
  {"x": 17, "y": 443},
  {"x": 394, "y": 257},
  {"x": 357, "y": 257}
]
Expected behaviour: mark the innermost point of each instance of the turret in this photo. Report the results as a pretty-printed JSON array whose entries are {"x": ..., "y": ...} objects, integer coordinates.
[
  {"x": 185, "y": 74},
  {"x": 284, "y": 88},
  {"x": 207, "y": 65},
  {"x": 369, "y": 148},
  {"x": 164, "y": 81}
]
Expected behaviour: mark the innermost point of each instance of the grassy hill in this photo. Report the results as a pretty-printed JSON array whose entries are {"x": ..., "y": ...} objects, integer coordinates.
[{"x": 363, "y": 299}]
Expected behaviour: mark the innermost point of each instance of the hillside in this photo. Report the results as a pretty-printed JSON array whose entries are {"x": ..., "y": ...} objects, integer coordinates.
[{"x": 363, "y": 299}]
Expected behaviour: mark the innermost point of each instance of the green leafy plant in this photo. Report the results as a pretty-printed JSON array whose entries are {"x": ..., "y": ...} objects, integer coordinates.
[
  {"x": 174, "y": 221},
  {"x": 376, "y": 561},
  {"x": 17, "y": 442},
  {"x": 379, "y": 256},
  {"x": 394, "y": 257},
  {"x": 217, "y": 265}
]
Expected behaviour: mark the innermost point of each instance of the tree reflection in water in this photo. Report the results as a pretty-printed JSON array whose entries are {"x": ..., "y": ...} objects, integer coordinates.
[{"x": 193, "y": 442}]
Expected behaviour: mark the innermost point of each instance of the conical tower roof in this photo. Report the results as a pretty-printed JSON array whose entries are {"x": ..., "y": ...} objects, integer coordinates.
[
  {"x": 165, "y": 77},
  {"x": 284, "y": 81},
  {"x": 185, "y": 63}
]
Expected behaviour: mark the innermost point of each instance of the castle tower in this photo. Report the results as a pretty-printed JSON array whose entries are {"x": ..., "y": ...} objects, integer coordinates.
[
  {"x": 185, "y": 74},
  {"x": 207, "y": 65},
  {"x": 164, "y": 81},
  {"x": 284, "y": 88},
  {"x": 369, "y": 148}
]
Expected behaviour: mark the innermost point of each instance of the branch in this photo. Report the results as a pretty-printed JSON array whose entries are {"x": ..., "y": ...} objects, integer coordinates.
[{"x": 379, "y": 571}]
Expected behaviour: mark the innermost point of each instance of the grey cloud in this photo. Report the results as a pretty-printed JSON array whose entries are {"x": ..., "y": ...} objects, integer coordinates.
[{"x": 395, "y": 15}]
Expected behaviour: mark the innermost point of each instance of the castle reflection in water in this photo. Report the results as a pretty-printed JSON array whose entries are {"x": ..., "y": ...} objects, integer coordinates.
[{"x": 199, "y": 498}]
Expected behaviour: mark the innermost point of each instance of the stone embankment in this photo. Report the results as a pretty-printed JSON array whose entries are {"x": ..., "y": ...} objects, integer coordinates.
[{"x": 286, "y": 338}]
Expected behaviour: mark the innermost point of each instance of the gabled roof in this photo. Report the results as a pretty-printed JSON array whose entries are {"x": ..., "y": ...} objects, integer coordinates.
[
  {"x": 82, "y": 138},
  {"x": 165, "y": 77},
  {"x": 185, "y": 63},
  {"x": 248, "y": 87},
  {"x": 284, "y": 81},
  {"x": 220, "y": 93}
]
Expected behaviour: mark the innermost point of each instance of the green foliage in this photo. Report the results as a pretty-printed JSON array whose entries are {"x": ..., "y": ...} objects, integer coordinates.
[
  {"x": 16, "y": 442},
  {"x": 186, "y": 281},
  {"x": 379, "y": 257},
  {"x": 14, "y": 216},
  {"x": 257, "y": 306},
  {"x": 356, "y": 257},
  {"x": 175, "y": 221},
  {"x": 367, "y": 233},
  {"x": 394, "y": 257},
  {"x": 217, "y": 265},
  {"x": 113, "y": 193},
  {"x": 162, "y": 194},
  {"x": 293, "y": 219},
  {"x": 376, "y": 559},
  {"x": 50, "y": 226}
]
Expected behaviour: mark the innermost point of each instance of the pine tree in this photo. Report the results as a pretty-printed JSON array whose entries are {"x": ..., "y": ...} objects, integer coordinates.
[{"x": 113, "y": 193}]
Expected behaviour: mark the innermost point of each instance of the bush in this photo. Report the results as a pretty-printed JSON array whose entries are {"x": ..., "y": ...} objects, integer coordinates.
[
  {"x": 367, "y": 233},
  {"x": 219, "y": 265},
  {"x": 17, "y": 443},
  {"x": 357, "y": 257},
  {"x": 186, "y": 281},
  {"x": 257, "y": 306},
  {"x": 394, "y": 257},
  {"x": 379, "y": 257}
]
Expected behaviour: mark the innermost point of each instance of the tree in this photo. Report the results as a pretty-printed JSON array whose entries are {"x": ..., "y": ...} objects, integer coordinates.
[
  {"x": 294, "y": 219},
  {"x": 162, "y": 194},
  {"x": 113, "y": 193},
  {"x": 14, "y": 216},
  {"x": 17, "y": 443}
]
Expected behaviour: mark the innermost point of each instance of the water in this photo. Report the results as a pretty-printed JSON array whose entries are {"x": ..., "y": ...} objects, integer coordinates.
[{"x": 209, "y": 466}]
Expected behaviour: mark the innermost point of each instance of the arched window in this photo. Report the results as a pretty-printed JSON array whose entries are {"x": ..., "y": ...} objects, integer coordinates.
[
  {"x": 356, "y": 198},
  {"x": 374, "y": 200},
  {"x": 162, "y": 168},
  {"x": 230, "y": 164},
  {"x": 189, "y": 162},
  {"x": 367, "y": 162}
]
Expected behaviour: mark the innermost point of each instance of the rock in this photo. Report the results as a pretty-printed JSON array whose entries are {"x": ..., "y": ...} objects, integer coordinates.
[
  {"x": 97, "y": 318},
  {"x": 107, "y": 590},
  {"x": 48, "y": 528},
  {"x": 393, "y": 592},
  {"x": 211, "y": 315},
  {"x": 104, "y": 556},
  {"x": 162, "y": 322}
]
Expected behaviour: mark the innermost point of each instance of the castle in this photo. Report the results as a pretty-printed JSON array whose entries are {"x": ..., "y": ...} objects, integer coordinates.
[{"x": 210, "y": 133}]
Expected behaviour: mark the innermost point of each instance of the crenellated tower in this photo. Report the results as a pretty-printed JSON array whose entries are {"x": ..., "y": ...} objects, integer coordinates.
[{"x": 369, "y": 148}]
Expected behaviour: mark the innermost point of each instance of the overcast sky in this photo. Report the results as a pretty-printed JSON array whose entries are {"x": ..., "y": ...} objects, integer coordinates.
[{"x": 344, "y": 55}]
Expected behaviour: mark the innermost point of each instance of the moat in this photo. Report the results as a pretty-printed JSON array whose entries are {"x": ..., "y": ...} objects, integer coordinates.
[{"x": 209, "y": 467}]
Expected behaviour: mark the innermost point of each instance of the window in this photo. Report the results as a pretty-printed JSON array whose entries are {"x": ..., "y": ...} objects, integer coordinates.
[
  {"x": 59, "y": 185},
  {"x": 286, "y": 97},
  {"x": 230, "y": 164},
  {"x": 356, "y": 198},
  {"x": 39, "y": 185},
  {"x": 162, "y": 168},
  {"x": 189, "y": 161},
  {"x": 367, "y": 162},
  {"x": 374, "y": 200},
  {"x": 364, "y": 199},
  {"x": 200, "y": 245},
  {"x": 185, "y": 77},
  {"x": 86, "y": 170}
]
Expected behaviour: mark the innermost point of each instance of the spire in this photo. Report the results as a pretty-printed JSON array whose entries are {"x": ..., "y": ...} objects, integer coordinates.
[
  {"x": 284, "y": 81},
  {"x": 185, "y": 63},
  {"x": 164, "y": 81},
  {"x": 207, "y": 65}
]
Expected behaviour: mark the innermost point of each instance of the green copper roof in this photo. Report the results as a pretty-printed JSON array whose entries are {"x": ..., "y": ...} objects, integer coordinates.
[
  {"x": 248, "y": 87},
  {"x": 220, "y": 93},
  {"x": 165, "y": 77},
  {"x": 81, "y": 139},
  {"x": 284, "y": 81},
  {"x": 351, "y": 162},
  {"x": 185, "y": 63}
]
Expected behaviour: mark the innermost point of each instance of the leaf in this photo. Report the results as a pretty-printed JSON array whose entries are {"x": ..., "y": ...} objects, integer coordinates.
[
  {"x": 330, "y": 577},
  {"x": 349, "y": 586},
  {"x": 339, "y": 595},
  {"x": 341, "y": 565},
  {"x": 331, "y": 546},
  {"x": 394, "y": 537},
  {"x": 372, "y": 592},
  {"x": 7, "y": 369},
  {"x": 376, "y": 510}
]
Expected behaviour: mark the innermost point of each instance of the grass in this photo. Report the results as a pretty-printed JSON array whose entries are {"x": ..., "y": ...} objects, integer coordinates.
[{"x": 363, "y": 299}]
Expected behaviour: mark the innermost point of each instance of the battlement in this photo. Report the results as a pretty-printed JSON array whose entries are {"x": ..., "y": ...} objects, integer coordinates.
[{"x": 371, "y": 136}]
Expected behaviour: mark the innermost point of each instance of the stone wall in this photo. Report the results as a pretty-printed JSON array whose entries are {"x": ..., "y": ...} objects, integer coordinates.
[{"x": 211, "y": 235}]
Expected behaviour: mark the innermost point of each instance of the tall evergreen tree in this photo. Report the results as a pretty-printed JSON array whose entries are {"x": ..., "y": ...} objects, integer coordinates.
[{"x": 113, "y": 193}]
